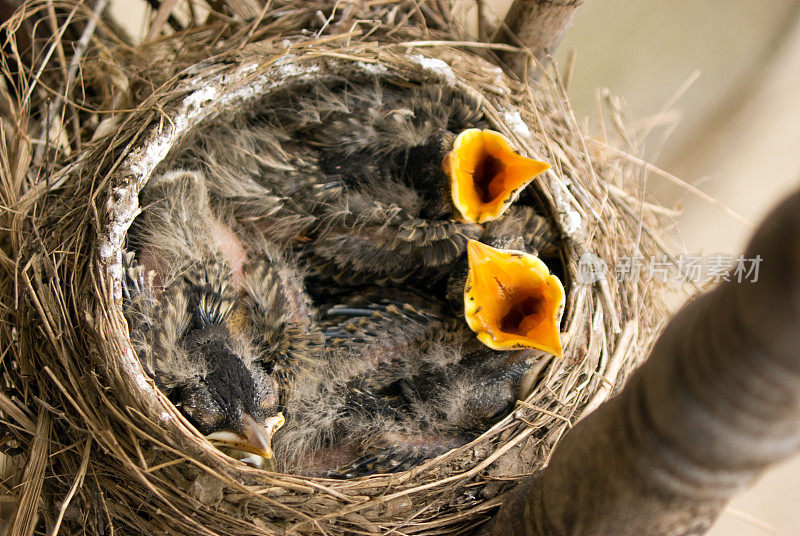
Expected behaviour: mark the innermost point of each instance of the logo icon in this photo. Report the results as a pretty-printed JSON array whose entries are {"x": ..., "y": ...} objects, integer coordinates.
[{"x": 591, "y": 269}]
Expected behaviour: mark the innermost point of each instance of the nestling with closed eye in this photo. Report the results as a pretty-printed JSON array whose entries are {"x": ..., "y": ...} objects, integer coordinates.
[{"x": 221, "y": 329}]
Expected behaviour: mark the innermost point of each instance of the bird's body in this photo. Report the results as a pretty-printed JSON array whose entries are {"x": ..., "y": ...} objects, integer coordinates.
[
  {"x": 351, "y": 175},
  {"x": 404, "y": 381},
  {"x": 378, "y": 189}
]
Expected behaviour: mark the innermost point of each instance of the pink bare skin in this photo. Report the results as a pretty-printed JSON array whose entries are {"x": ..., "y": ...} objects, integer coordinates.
[
  {"x": 231, "y": 248},
  {"x": 226, "y": 241}
]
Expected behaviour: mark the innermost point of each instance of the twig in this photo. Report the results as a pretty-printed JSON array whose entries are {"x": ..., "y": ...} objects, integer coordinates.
[
  {"x": 162, "y": 16},
  {"x": 672, "y": 178},
  {"x": 255, "y": 23},
  {"x": 173, "y": 22},
  {"x": 537, "y": 25},
  {"x": 25, "y": 515},
  {"x": 677, "y": 94},
  {"x": 753, "y": 521},
  {"x": 78, "y": 482},
  {"x": 480, "y": 5},
  {"x": 609, "y": 375},
  {"x": 569, "y": 68},
  {"x": 471, "y": 44},
  {"x": 51, "y": 18},
  {"x": 48, "y": 55},
  {"x": 80, "y": 49}
]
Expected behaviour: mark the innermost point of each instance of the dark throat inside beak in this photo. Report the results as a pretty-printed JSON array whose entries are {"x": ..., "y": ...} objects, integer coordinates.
[{"x": 511, "y": 300}]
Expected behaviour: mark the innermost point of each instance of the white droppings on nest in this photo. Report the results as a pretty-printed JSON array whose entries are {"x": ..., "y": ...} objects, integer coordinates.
[
  {"x": 514, "y": 121},
  {"x": 141, "y": 381},
  {"x": 372, "y": 68},
  {"x": 292, "y": 69},
  {"x": 437, "y": 66},
  {"x": 165, "y": 416},
  {"x": 122, "y": 207},
  {"x": 249, "y": 68},
  {"x": 142, "y": 162},
  {"x": 135, "y": 369},
  {"x": 115, "y": 270},
  {"x": 499, "y": 80},
  {"x": 106, "y": 250},
  {"x": 200, "y": 97},
  {"x": 570, "y": 220},
  {"x": 245, "y": 93}
]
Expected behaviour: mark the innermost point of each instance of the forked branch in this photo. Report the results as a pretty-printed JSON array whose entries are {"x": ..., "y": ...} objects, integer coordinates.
[{"x": 717, "y": 402}]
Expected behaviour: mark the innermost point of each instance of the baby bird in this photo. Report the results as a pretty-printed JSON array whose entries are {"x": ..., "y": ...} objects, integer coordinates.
[
  {"x": 443, "y": 407},
  {"x": 370, "y": 180},
  {"x": 221, "y": 330},
  {"x": 404, "y": 381},
  {"x": 418, "y": 151}
]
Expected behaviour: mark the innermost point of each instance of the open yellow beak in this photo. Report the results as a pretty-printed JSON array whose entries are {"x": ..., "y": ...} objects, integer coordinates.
[
  {"x": 511, "y": 300},
  {"x": 257, "y": 439},
  {"x": 486, "y": 174}
]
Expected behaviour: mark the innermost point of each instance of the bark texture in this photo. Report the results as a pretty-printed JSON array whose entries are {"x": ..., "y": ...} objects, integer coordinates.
[
  {"x": 536, "y": 24},
  {"x": 717, "y": 402}
]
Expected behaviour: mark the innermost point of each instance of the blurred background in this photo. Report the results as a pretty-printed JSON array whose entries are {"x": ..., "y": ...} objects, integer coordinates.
[
  {"x": 717, "y": 83},
  {"x": 734, "y": 132}
]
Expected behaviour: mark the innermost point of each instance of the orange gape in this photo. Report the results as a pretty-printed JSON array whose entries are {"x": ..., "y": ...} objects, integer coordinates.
[
  {"x": 511, "y": 300},
  {"x": 486, "y": 174}
]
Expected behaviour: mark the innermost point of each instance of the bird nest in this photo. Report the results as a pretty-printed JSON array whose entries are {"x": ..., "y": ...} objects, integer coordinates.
[{"x": 102, "y": 450}]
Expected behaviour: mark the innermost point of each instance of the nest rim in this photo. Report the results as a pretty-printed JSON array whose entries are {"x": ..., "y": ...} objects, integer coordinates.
[{"x": 208, "y": 98}]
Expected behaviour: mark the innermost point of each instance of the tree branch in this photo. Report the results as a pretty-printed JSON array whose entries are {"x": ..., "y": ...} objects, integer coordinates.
[{"x": 536, "y": 25}]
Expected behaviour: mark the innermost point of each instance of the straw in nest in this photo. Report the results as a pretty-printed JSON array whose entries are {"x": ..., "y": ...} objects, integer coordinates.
[{"x": 103, "y": 450}]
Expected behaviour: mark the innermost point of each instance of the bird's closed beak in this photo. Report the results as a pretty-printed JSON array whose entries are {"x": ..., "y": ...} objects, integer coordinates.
[
  {"x": 257, "y": 439},
  {"x": 511, "y": 300},
  {"x": 486, "y": 174}
]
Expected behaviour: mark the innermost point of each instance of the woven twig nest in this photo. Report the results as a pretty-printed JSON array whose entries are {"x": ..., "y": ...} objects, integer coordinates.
[{"x": 104, "y": 448}]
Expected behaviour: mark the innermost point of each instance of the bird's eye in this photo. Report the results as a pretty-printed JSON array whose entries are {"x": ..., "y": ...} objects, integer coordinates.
[
  {"x": 268, "y": 397},
  {"x": 201, "y": 408},
  {"x": 266, "y": 392},
  {"x": 267, "y": 404}
]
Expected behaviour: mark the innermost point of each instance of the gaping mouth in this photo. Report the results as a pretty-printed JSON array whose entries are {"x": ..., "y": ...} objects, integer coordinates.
[
  {"x": 511, "y": 300},
  {"x": 255, "y": 445},
  {"x": 486, "y": 174}
]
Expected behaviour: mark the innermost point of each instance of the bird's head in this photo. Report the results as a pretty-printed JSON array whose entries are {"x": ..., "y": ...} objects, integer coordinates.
[{"x": 234, "y": 403}]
